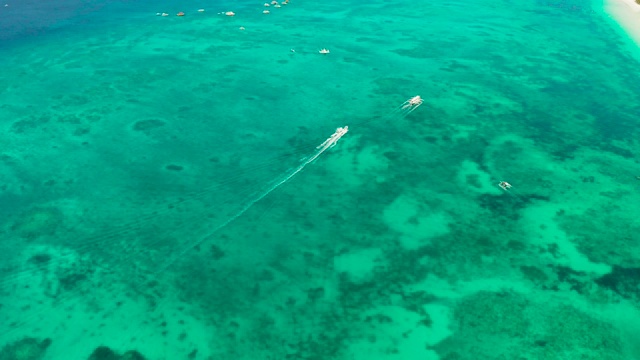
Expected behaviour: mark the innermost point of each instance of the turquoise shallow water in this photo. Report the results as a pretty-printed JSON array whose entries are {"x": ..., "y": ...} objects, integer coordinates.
[{"x": 131, "y": 140}]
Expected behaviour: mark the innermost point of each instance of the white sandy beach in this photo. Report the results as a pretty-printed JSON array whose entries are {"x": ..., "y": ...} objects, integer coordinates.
[{"x": 627, "y": 14}]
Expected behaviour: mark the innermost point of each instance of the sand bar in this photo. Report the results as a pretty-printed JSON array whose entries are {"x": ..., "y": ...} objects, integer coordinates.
[{"x": 627, "y": 14}]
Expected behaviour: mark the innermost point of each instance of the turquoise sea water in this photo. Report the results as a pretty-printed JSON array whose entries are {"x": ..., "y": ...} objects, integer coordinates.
[{"x": 129, "y": 141}]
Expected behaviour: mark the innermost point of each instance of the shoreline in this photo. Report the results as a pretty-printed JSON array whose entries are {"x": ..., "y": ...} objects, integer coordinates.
[{"x": 626, "y": 13}]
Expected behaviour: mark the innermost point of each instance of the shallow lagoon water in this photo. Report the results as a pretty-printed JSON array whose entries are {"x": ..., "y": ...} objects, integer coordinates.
[{"x": 130, "y": 138}]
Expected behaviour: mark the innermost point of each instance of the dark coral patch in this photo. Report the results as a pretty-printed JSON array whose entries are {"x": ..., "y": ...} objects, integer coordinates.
[
  {"x": 105, "y": 353},
  {"x": 27, "y": 348},
  {"x": 148, "y": 125},
  {"x": 624, "y": 281},
  {"x": 174, "y": 167}
]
